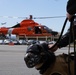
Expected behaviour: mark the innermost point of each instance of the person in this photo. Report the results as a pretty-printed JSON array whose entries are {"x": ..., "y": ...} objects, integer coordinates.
[{"x": 71, "y": 10}]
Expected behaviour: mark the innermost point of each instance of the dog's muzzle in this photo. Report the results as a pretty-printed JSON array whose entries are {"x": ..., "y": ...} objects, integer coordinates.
[
  {"x": 31, "y": 59},
  {"x": 34, "y": 55}
]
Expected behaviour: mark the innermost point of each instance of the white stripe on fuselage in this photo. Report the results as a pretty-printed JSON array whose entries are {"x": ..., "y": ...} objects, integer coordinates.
[{"x": 10, "y": 30}]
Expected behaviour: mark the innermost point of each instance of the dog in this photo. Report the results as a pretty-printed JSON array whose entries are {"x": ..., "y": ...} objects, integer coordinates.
[{"x": 46, "y": 62}]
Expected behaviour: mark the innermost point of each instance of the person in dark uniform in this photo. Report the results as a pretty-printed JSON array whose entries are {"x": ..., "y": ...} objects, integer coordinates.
[{"x": 71, "y": 11}]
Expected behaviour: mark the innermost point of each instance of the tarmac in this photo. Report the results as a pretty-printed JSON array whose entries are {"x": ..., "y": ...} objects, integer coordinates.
[{"x": 12, "y": 60}]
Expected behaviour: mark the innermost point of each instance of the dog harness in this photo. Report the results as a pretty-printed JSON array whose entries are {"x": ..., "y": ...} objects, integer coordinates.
[{"x": 60, "y": 67}]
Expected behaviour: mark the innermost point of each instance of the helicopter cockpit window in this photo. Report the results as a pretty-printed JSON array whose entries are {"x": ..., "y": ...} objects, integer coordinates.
[
  {"x": 46, "y": 27},
  {"x": 29, "y": 28},
  {"x": 38, "y": 30}
]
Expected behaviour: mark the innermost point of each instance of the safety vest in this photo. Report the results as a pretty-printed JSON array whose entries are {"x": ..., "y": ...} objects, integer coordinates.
[{"x": 60, "y": 67}]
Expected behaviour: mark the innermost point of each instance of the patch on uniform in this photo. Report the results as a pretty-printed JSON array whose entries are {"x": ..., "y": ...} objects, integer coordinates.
[{"x": 56, "y": 73}]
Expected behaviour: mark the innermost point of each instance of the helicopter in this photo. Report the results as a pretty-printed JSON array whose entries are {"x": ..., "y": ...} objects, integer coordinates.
[{"x": 27, "y": 27}]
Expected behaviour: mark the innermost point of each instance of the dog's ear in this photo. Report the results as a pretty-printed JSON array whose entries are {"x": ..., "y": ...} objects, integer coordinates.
[
  {"x": 43, "y": 47},
  {"x": 38, "y": 47}
]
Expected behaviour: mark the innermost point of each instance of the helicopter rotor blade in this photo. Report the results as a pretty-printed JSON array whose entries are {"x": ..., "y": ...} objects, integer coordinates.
[
  {"x": 48, "y": 17},
  {"x": 32, "y": 17}
]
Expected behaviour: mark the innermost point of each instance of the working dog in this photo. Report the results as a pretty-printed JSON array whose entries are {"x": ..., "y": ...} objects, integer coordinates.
[{"x": 46, "y": 62}]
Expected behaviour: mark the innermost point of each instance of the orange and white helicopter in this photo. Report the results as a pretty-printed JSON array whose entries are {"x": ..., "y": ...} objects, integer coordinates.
[{"x": 27, "y": 27}]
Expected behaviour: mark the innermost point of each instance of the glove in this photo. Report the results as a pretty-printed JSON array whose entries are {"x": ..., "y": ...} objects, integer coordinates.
[
  {"x": 72, "y": 18},
  {"x": 49, "y": 47}
]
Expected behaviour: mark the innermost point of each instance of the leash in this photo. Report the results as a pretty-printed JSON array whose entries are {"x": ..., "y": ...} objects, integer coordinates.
[
  {"x": 69, "y": 71},
  {"x": 71, "y": 28},
  {"x": 60, "y": 33}
]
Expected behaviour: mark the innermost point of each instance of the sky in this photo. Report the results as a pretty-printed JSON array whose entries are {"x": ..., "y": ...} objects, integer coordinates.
[{"x": 37, "y": 8}]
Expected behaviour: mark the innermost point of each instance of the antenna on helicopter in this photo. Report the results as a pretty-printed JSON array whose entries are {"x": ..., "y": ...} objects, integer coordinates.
[{"x": 30, "y": 17}]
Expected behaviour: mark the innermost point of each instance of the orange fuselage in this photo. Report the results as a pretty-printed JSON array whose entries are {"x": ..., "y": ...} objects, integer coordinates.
[{"x": 27, "y": 27}]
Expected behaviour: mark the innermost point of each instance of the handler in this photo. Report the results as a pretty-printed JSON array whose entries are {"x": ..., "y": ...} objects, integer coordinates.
[
  {"x": 71, "y": 11},
  {"x": 64, "y": 41}
]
